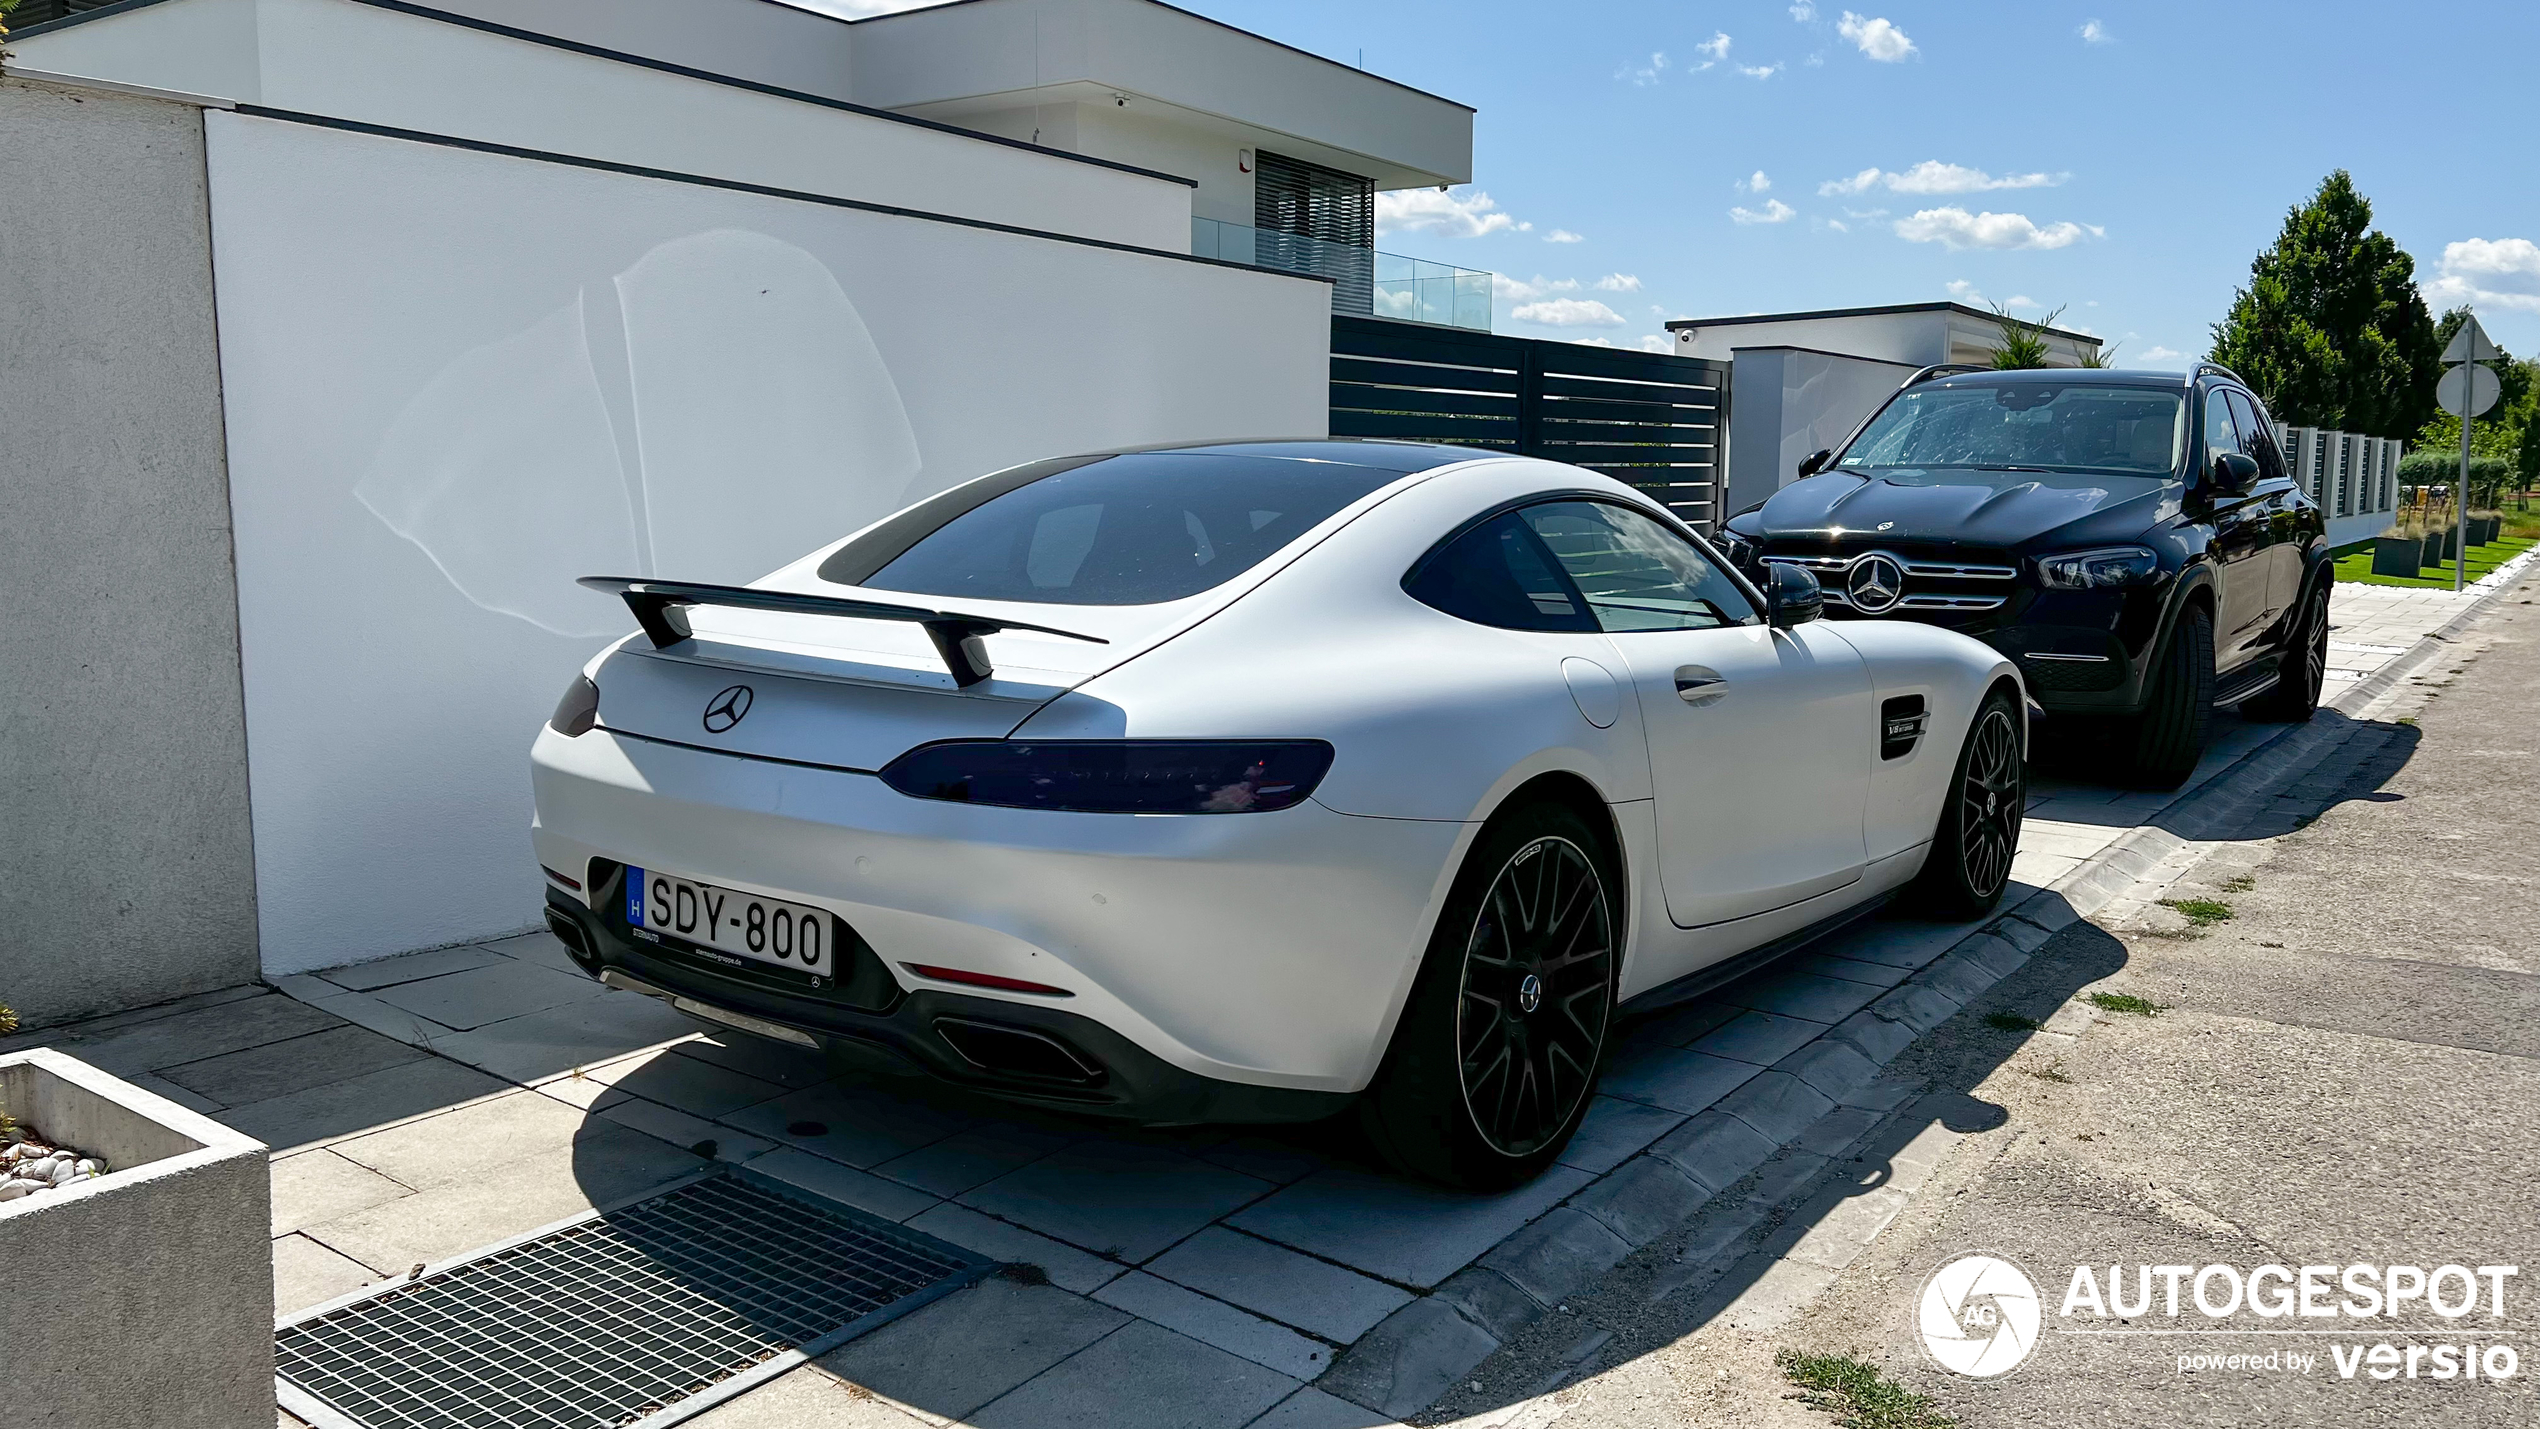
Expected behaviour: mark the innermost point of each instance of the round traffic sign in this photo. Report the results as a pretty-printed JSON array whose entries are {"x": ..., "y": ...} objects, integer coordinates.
[{"x": 2477, "y": 383}]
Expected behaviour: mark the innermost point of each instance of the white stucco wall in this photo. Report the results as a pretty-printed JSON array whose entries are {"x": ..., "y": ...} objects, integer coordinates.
[
  {"x": 1790, "y": 402},
  {"x": 455, "y": 381}
]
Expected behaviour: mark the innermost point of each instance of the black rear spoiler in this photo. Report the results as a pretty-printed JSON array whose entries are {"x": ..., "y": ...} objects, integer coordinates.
[{"x": 661, "y": 608}]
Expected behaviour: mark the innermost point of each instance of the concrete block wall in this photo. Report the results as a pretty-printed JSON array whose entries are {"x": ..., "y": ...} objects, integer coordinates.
[{"x": 123, "y": 758}]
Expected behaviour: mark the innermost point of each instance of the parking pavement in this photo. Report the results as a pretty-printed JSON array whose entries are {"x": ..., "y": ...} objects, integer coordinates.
[{"x": 423, "y": 1106}]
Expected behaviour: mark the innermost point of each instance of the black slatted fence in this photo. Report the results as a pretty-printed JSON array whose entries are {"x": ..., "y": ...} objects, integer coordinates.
[{"x": 1650, "y": 419}]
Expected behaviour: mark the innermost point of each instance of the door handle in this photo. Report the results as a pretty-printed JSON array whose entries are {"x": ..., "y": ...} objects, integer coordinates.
[{"x": 1695, "y": 684}]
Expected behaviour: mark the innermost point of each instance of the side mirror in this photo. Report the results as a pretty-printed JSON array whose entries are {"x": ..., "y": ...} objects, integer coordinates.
[
  {"x": 1791, "y": 596},
  {"x": 2235, "y": 472},
  {"x": 1815, "y": 462}
]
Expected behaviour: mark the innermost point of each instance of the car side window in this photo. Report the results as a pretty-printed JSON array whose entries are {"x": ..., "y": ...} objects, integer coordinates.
[
  {"x": 1635, "y": 573},
  {"x": 2220, "y": 435},
  {"x": 1499, "y": 574},
  {"x": 2257, "y": 437}
]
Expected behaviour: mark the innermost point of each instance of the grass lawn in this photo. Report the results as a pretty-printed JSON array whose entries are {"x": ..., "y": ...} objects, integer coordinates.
[{"x": 2356, "y": 569}]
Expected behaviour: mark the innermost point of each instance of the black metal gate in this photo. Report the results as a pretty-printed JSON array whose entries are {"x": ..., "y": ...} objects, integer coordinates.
[{"x": 1649, "y": 419}]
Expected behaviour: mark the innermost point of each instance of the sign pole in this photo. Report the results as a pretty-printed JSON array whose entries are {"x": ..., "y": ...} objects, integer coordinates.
[{"x": 2460, "y": 507}]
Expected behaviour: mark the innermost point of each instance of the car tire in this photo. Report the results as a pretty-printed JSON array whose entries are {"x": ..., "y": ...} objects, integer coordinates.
[
  {"x": 1979, "y": 831},
  {"x": 2295, "y": 696},
  {"x": 2162, "y": 744},
  {"x": 1487, "y": 1078}
]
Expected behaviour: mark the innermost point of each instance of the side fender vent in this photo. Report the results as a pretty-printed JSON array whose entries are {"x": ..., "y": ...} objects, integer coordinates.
[{"x": 1901, "y": 723}]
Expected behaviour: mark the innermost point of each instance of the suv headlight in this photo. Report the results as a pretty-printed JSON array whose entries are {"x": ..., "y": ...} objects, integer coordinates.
[
  {"x": 2088, "y": 570},
  {"x": 1739, "y": 550}
]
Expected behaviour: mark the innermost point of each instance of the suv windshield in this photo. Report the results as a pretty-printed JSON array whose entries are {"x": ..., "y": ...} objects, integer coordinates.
[
  {"x": 2085, "y": 427},
  {"x": 1135, "y": 529}
]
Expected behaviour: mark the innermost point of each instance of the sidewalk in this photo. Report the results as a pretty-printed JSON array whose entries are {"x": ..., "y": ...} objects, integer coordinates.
[{"x": 426, "y": 1105}]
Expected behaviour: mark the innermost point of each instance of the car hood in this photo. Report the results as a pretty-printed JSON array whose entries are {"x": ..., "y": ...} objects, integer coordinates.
[{"x": 1988, "y": 508}]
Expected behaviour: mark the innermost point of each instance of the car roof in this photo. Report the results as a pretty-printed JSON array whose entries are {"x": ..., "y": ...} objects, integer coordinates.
[{"x": 1375, "y": 453}]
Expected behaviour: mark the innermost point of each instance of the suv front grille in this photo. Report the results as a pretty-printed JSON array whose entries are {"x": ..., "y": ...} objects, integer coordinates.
[{"x": 1931, "y": 584}]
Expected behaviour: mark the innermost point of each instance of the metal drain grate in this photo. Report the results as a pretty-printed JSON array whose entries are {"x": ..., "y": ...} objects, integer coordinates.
[{"x": 648, "y": 1313}]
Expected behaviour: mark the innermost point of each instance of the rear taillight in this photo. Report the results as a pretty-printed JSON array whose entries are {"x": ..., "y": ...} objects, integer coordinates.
[
  {"x": 578, "y": 710},
  {"x": 1116, "y": 776}
]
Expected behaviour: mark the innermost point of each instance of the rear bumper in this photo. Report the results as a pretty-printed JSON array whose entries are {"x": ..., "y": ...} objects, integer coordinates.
[{"x": 1210, "y": 960}]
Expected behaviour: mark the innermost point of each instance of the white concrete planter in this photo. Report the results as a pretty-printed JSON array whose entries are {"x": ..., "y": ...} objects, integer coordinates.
[{"x": 143, "y": 1296}]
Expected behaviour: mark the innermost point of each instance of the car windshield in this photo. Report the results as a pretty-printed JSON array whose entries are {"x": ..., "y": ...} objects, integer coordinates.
[
  {"x": 1136, "y": 529},
  {"x": 2084, "y": 427}
]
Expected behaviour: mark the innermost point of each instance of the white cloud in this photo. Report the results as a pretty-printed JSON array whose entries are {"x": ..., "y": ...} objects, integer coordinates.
[
  {"x": 2502, "y": 273},
  {"x": 1838, "y": 225},
  {"x": 1469, "y": 214},
  {"x": 1647, "y": 74},
  {"x": 1865, "y": 213},
  {"x": 1934, "y": 177},
  {"x": 1714, "y": 49},
  {"x": 1568, "y": 312},
  {"x": 1964, "y": 291},
  {"x": 1957, "y": 228},
  {"x": 1618, "y": 283},
  {"x": 1877, "y": 38},
  {"x": 1761, "y": 71},
  {"x": 1517, "y": 290},
  {"x": 1656, "y": 342},
  {"x": 1773, "y": 211},
  {"x": 2094, "y": 33},
  {"x": 2022, "y": 301},
  {"x": 1816, "y": 59},
  {"x": 2158, "y": 353},
  {"x": 1563, "y": 235},
  {"x": 1756, "y": 183},
  {"x": 1804, "y": 11}
]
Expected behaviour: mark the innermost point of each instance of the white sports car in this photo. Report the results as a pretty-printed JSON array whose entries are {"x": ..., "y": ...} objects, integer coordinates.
[{"x": 1239, "y": 782}]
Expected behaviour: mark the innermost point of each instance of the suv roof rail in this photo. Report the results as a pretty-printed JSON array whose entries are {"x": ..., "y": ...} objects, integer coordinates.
[
  {"x": 2216, "y": 369},
  {"x": 1943, "y": 369}
]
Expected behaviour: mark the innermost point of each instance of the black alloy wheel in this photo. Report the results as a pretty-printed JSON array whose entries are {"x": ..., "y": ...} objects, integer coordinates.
[
  {"x": 1530, "y": 1020},
  {"x": 2295, "y": 696},
  {"x": 1497, "y": 1052},
  {"x": 2161, "y": 745},
  {"x": 1979, "y": 832}
]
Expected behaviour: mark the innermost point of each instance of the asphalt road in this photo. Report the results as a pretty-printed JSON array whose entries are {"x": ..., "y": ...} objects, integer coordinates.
[{"x": 2346, "y": 1071}]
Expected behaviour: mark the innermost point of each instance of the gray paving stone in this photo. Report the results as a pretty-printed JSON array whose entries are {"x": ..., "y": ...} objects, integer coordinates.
[
  {"x": 536, "y": 947},
  {"x": 1917, "y": 1006},
  {"x": 159, "y": 1086},
  {"x": 92, "y": 1028},
  {"x": 499, "y": 990},
  {"x": 824, "y": 1177},
  {"x": 807, "y": 1397},
  {"x": 319, "y": 1185},
  {"x": 1681, "y": 1026},
  {"x": 203, "y": 1032},
  {"x": 1796, "y": 994},
  {"x": 1673, "y": 1077},
  {"x": 1896, "y": 942},
  {"x": 1214, "y": 1322},
  {"x": 964, "y": 1350},
  {"x": 1642, "y": 1201},
  {"x": 360, "y": 1103},
  {"x": 1273, "y": 1280},
  {"x": 1715, "y": 1149},
  {"x": 1400, "y": 1230},
  {"x": 1835, "y": 1069},
  {"x": 363, "y": 1010},
  {"x": 1853, "y": 970},
  {"x": 1886, "y": 1092},
  {"x": 410, "y": 967},
  {"x": 559, "y": 1039},
  {"x": 517, "y": 1197},
  {"x": 783, "y": 1063},
  {"x": 1722, "y": 1231},
  {"x": 2022, "y": 934},
  {"x": 680, "y": 1129},
  {"x": 1067, "y": 1267},
  {"x": 276, "y": 1069},
  {"x": 1491, "y": 1300},
  {"x": 1119, "y": 1200},
  {"x": 1559, "y": 1255},
  {"x": 1836, "y": 1131},
  {"x": 1778, "y": 1105},
  {"x": 1994, "y": 954},
  {"x": 1958, "y": 977},
  {"x": 695, "y": 1087},
  {"x": 1404, "y": 1364},
  {"x": 1786, "y": 1174},
  {"x": 1873, "y": 1036},
  {"x": 971, "y": 1158},
  {"x": 1275, "y": 1161},
  {"x": 1614, "y": 1131},
  {"x": 861, "y": 1124},
  {"x": 471, "y": 1143},
  {"x": 1143, "y": 1376},
  {"x": 306, "y": 1273},
  {"x": 1311, "y": 1408},
  {"x": 1761, "y": 1038}
]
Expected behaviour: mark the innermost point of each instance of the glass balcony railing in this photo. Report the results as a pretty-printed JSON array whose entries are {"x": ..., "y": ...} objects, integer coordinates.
[{"x": 1386, "y": 285}]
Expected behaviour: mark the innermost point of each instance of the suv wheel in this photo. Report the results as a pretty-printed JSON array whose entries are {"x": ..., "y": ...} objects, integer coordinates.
[
  {"x": 1500, "y": 1047},
  {"x": 2162, "y": 744},
  {"x": 2296, "y": 695}
]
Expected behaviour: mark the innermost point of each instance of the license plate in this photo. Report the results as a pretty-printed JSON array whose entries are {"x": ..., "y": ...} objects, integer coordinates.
[{"x": 748, "y": 925}]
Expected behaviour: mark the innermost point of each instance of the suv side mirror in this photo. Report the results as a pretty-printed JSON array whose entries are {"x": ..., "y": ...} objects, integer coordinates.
[
  {"x": 2235, "y": 472},
  {"x": 1791, "y": 595},
  {"x": 1815, "y": 462}
]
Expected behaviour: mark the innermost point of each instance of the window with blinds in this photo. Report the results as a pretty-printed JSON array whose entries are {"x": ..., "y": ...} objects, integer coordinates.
[{"x": 1293, "y": 196}]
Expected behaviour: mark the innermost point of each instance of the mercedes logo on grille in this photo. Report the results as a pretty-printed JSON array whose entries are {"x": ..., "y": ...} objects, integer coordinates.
[
  {"x": 1874, "y": 584},
  {"x": 725, "y": 709}
]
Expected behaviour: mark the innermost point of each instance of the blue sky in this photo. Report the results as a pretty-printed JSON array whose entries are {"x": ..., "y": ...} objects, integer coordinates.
[{"x": 2136, "y": 156}]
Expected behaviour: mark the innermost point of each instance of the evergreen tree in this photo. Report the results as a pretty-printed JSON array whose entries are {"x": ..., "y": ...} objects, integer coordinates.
[{"x": 2331, "y": 329}]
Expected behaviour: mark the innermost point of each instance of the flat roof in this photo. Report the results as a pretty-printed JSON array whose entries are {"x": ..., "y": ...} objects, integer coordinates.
[{"x": 1679, "y": 324}]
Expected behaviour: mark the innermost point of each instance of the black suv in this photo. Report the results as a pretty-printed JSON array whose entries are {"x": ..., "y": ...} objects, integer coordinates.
[{"x": 2133, "y": 540}]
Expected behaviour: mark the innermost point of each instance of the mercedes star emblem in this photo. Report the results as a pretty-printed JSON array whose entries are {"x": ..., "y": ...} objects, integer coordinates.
[
  {"x": 725, "y": 709},
  {"x": 1530, "y": 993},
  {"x": 1874, "y": 584}
]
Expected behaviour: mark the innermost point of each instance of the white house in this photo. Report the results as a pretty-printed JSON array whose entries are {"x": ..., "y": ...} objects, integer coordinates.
[{"x": 353, "y": 331}]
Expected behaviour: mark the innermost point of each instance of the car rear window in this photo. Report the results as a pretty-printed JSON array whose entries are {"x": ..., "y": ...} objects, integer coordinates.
[
  {"x": 2095, "y": 427},
  {"x": 1135, "y": 529}
]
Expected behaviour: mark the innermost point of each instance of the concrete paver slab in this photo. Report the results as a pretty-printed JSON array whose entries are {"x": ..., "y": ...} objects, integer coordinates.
[
  {"x": 1120, "y": 1200},
  {"x": 1614, "y": 1130},
  {"x": 500, "y": 990},
  {"x": 508, "y": 1200},
  {"x": 192, "y": 1036},
  {"x": 538, "y": 947},
  {"x": 254, "y": 1074},
  {"x": 1214, "y": 1322},
  {"x": 1797, "y": 994},
  {"x": 839, "y": 1182},
  {"x": 411, "y": 967},
  {"x": 559, "y": 1039},
  {"x": 971, "y": 1158},
  {"x": 1761, "y": 1038},
  {"x": 1405, "y": 1231},
  {"x": 1142, "y": 1377},
  {"x": 808, "y": 1397},
  {"x": 319, "y": 1185},
  {"x": 697, "y": 1134},
  {"x": 471, "y": 1143},
  {"x": 1278, "y": 1282},
  {"x": 856, "y": 1122},
  {"x": 1673, "y": 1077},
  {"x": 1065, "y": 1265},
  {"x": 968, "y": 1348},
  {"x": 344, "y": 1108},
  {"x": 306, "y": 1273},
  {"x": 1311, "y": 1408},
  {"x": 783, "y": 1063},
  {"x": 696, "y": 1087}
]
